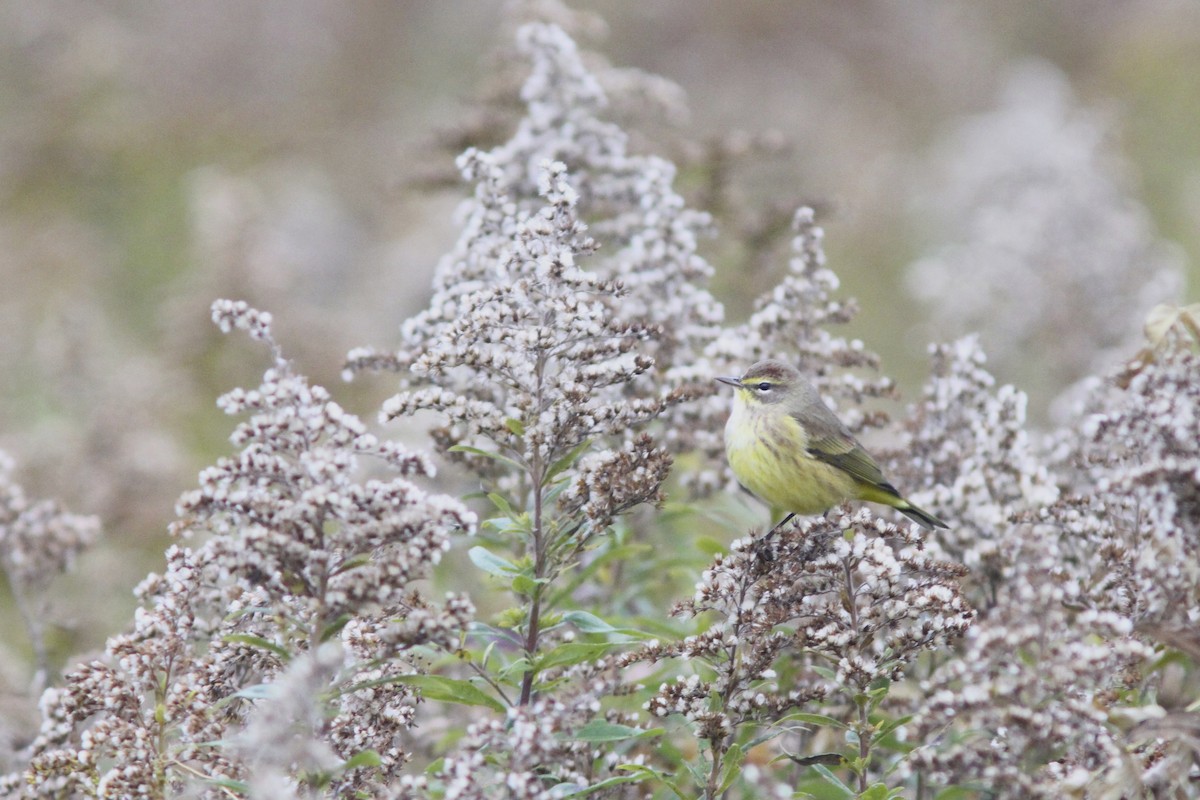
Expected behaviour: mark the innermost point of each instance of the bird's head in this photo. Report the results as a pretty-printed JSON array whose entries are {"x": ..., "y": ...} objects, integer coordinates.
[{"x": 768, "y": 382}]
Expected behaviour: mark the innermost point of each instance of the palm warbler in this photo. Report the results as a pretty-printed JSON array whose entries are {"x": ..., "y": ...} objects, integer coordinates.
[{"x": 791, "y": 452}]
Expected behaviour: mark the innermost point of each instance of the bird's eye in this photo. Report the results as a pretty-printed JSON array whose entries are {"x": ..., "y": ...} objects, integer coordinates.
[{"x": 764, "y": 386}]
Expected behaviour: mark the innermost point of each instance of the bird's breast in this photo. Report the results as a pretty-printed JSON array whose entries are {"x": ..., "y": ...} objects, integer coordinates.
[{"x": 767, "y": 450}]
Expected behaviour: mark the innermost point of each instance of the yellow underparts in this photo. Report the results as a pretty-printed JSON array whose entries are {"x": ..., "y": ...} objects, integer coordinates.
[{"x": 767, "y": 450}]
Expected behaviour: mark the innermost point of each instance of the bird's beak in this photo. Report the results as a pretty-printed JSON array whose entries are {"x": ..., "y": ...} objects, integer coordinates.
[{"x": 731, "y": 381}]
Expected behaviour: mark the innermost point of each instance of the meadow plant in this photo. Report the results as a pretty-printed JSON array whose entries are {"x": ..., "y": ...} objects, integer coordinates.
[
  {"x": 967, "y": 443},
  {"x": 846, "y": 603},
  {"x": 297, "y": 553},
  {"x": 39, "y": 540},
  {"x": 1042, "y": 646},
  {"x": 1034, "y": 200},
  {"x": 1067, "y": 685}
]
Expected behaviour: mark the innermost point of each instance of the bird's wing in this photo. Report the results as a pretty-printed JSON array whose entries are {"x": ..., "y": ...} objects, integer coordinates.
[
  {"x": 850, "y": 457},
  {"x": 829, "y": 441}
]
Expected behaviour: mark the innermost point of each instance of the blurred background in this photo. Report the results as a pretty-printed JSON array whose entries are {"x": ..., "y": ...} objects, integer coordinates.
[{"x": 1031, "y": 171}]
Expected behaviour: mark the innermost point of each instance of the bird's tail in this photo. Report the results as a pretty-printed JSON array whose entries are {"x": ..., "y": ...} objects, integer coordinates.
[
  {"x": 886, "y": 493},
  {"x": 922, "y": 518}
]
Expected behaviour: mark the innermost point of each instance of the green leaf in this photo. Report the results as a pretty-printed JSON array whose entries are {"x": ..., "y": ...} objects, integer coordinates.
[
  {"x": 240, "y": 787},
  {"x": 513, "y": 669},
  {"x": 359, "y": 686},
  {"x": 568, "y": 460},
  {"x": 824, "y": 672},
  {"x": 815, "y": 719},
  {"x": 766, "y": 736},
  {"x": 491, "y": 563},
  {"x": 507, "y": 526},
  {"x": 475, "y": 451},
  {"x": 697, "y": 770},
  {"x": 662, "y": 777},
  {"x": 829, "y": 759},
  {"x": 250, "y": 640},
  {"x": 553, "y": 492},
  {"x": 595, "y": 787},
  {"x": 525, "y": 585},
  {"x": 891, "y": 725},
  {"x": 450, "y": 690},
  {"x": 878, "y": 693},
  {"x": 876, "y": 791},
  {"x": 334, "y": 628},
  {"x": 366, "y": 758},
  {"x": 599, "y": 730},
  {"x": 510, "y": 619},
  {"x": 588, "y": 623},
  {"x": 515, "y": 426},
  {"x": 833, "y": 780},
  {"x": 501, "y": 502},
  {"x": 258, "y": 691},
  {"x": 354, "y": 562},
  {"x": 732, "y": 768},
  {"x": 571, "y": 653}
]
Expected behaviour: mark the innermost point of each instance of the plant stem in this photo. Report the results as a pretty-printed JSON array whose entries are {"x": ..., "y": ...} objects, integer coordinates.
[
  {"x": 864, "y": 721},
  {"x": 32, "y": 618},
  {"x": 537, "y": 475},
  {"x": 710, "y": 789},
  {"x": 531, "y": 644},
  {"x": 732, "y": 681},
  {"x": 864, "y": 743},
  {"x": 534, "y": 631}
]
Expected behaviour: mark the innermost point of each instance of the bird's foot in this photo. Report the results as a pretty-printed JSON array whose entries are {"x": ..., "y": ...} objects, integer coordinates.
[
  {"x": 779, "y": 525},
  {"x": 762, "y": 546}
]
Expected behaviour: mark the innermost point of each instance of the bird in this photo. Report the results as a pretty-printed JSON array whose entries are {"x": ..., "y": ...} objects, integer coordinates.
[{"x": 788, "y": 449}]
